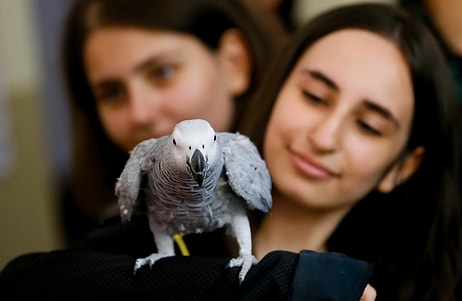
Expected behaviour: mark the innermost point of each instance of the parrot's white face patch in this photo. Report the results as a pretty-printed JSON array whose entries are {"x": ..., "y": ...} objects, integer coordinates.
[{"x": 190, "y": 135}]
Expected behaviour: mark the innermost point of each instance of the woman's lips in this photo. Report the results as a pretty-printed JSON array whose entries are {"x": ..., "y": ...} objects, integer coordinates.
[{"x": 310, "y": 168}]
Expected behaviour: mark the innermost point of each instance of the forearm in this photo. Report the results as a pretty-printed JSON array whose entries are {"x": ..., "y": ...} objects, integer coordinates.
[{"x": 91, "y": 275}]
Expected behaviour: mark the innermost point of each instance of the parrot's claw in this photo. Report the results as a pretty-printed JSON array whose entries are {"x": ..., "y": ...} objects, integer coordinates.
[
  {"x": 150, "y": 260},
  {"x": 245, "y": 262}
]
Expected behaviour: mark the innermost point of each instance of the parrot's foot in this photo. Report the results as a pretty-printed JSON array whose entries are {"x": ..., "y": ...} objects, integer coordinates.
[
  {"x": 245, "y": 262},
  {"x": 150, "y": 260}
]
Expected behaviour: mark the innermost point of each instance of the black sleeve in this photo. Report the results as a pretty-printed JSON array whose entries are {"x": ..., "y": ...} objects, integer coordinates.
[
  {"x": 89, "y": 275},
  {"x": 329, "y": 274}
]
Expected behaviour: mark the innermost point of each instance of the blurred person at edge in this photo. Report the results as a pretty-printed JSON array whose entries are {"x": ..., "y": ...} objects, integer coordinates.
[{"x": 444, "y": 18}]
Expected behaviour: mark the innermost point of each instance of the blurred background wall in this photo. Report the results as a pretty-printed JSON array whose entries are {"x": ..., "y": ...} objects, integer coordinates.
[
  {"x": 34, "y": 145},
  {"x": 32, "y": 112}
]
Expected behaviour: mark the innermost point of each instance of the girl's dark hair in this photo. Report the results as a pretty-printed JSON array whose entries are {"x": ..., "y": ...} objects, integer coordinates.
[
  {"x": 96, "y": 160},
  {"x": 413, "y": 234}
]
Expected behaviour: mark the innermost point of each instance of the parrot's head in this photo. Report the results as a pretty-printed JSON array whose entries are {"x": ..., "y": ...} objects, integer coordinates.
[{"x": 195, "y": 147}]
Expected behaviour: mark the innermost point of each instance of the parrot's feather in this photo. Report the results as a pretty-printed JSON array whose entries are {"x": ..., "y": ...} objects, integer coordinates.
[
  {"x": 128, "y": 185},
  {"x": 246, "y": 170}
]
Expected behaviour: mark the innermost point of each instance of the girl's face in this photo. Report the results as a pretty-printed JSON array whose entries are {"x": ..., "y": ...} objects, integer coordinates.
[
  {"x": 340, "y": 121},
  {"x": 144, "y": 82}
]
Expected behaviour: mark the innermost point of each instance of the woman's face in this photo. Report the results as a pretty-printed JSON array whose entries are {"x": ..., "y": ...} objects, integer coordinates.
[
  {"x": 340, "y": 120},
  {"x": 145, "y": 82}
]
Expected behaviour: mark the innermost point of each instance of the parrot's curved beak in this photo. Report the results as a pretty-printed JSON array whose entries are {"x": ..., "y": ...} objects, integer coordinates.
[{"x": 198, "y": 166}]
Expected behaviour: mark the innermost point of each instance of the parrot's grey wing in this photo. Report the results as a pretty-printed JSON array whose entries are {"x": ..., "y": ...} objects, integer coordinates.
[
  {"x": 247, "y": 173},
  {"x": 128, "y": 184}
]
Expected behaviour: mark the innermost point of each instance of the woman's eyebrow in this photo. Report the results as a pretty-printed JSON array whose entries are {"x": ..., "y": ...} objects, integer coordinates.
[
  {"x": 387, "y": 114},
  {"x": 169, "y": 54},
  {"x": 321, "y": 77},
  {"x": 139, "y": 68},
  {"x": 146, "y": 64}
]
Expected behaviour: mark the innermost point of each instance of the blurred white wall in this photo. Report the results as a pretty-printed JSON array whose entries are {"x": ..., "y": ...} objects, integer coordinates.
[{"x": 28, "y": 220}]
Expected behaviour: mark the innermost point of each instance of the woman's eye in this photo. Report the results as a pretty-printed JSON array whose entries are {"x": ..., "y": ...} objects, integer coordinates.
[
  {"x": 313, "y": 97},
  {"x": 163, "y": 72},
  {"x": 368, "y": 129},
  {"x": 110, "y": 93}
]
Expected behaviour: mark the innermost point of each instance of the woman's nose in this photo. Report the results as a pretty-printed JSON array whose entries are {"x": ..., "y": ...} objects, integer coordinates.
[
  {"x": 143, "y": 106},
  {"x": 325, "y": 133}
]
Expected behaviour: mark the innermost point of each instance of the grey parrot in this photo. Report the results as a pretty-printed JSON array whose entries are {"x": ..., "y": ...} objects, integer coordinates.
[{"x": 194, "y": 181}]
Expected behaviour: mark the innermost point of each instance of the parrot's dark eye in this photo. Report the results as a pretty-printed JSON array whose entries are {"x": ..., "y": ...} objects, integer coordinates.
[
  {"x": 203, "y": 146},
  {"x": 190, "y": 148},
  {"x": 174, "y": 142},
  {"x": 215, "y": 138}
]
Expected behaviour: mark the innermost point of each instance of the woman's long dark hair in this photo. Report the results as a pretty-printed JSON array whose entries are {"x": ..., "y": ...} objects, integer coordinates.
[{"x": 413, "y": 234}]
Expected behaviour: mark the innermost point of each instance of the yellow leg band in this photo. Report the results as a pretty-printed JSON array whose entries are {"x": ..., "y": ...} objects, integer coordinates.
[{"x": 178, "y": 238}]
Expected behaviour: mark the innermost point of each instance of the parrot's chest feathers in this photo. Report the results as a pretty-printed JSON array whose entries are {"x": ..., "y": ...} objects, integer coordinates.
[{"x": 181, "y": 205}]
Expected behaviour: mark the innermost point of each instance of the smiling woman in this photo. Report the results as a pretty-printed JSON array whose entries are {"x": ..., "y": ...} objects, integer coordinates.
[
  {"x": 332, "y": 112},
  {"x": 351, "y": 122},
  {"x": 134, "y": 71}
]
